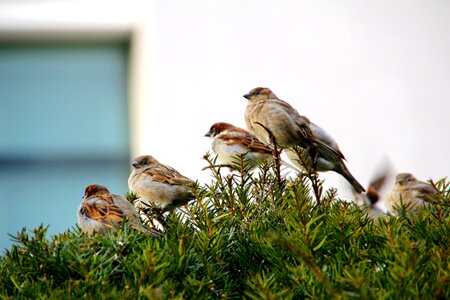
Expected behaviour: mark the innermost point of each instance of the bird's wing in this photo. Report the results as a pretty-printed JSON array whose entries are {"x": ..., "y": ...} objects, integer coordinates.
[
  {"x": 311, "y": 139},
  {"x": 127, "y": 208},
  {"x": 373, "y": 191},
  {"x": 166, "y": 174},
  {"x": 286, "y": 106},
  {"x": 248, "y": 141},
  {"x": 323, "y": 136},
  {"x": 378, "y": 182},
  {"x": 103, "y": 210},
  {"x": 286, "y": 111},
  {"x": 133, "y": 217},
  {"x": 426, "y": 190}
]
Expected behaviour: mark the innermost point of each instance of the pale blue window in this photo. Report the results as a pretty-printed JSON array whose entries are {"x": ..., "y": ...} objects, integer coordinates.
[{"x": 63, "y": 125}]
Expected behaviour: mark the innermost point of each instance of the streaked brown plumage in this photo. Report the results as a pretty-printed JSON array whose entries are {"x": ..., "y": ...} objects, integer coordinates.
[
  {"x": 292, "y": 130},
  {"x": 159, "y": 184},
  {"x": 101, "y": 211},
  {"x": 368, "y": 200},
  {"x": 229, "y": 141}
]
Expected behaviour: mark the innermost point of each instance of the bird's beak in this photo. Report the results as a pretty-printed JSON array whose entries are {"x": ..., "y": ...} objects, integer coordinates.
[
  {"x": 135, "y": 164},
  {"x": 208, "y": 134},
  {"x": 247, "y": 96}
]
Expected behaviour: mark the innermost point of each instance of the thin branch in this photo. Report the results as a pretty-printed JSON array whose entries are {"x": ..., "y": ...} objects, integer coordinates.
[
  {"x": 152, "y": 212},
  {"x": 310, "y": 173},
  {"x": 276, "y": 153},
  {"x": 218, "y": 166}
]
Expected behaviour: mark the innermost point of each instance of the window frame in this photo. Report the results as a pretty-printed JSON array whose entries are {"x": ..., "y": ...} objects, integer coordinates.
[{"x": 77, "y": 21}]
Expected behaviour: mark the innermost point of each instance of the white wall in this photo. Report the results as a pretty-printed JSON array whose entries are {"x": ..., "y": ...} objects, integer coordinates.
[{"x": 375, "y": 74}]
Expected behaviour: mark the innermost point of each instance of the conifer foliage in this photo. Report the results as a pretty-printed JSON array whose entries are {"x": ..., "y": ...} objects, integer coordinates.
[{"x": 245, "y": 236}]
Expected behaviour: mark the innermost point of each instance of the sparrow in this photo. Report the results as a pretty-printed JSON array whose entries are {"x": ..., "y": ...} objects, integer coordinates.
[
  {"x": 409, "y": 191},
  {"x": 229, "y": 141},
  {"x": 294, "y": 133},
  {"x": 101, "y": 211},
  {"x": 369, "y": 199},
  {"x": 158, "y": 184}
]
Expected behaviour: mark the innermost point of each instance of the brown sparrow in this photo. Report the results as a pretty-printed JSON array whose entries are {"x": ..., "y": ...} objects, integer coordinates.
[
  {"x": 291, "y": 130},
  {"x": 368, "y": 200},
  {"x": 229, "y": 141},
  {"x": 158, "y": 184},
  {"x": 409, "y": 191},
  {"x": 100, "y": 211}
]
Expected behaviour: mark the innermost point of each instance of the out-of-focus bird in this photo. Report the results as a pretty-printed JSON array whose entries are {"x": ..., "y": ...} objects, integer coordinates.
[
  {"x": 229, "y": 141},
  {"x": 294, "y": 133},
  {"x": 369, "y": 199},
  {"x": 158, "y": 184},
  {"x": 409, "y": 191},
  {"x": 100, "y": 211}
]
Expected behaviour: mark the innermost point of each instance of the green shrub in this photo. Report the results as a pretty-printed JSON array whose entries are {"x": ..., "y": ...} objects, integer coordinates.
[{"x": 244, "y": 237}]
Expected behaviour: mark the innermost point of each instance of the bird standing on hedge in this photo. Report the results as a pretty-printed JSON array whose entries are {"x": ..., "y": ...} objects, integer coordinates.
[
  {"x": 409, "y": 191},
  {"x": 100, "y": 211},
  {"x": 293, "y": 132},
  {"x": 158, "y": 184},
  {"x": 229, "y": 141}
]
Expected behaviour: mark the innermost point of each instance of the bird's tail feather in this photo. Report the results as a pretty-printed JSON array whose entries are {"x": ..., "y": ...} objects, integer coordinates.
[{"x": 349, "y": 177}]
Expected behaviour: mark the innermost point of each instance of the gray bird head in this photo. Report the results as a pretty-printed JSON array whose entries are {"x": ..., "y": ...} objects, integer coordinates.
[
  {"x": 260, "y": 93},
  {"x": 143, "y": 161},
  {"x": 404, "y": 178}
]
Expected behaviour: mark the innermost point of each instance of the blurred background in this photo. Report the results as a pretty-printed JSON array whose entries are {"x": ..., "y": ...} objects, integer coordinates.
[{"x": 87, "y": 85}]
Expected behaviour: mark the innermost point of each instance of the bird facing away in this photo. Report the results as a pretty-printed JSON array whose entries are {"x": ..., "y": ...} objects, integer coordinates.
[
  {"x": 409, "y": 191},
  {"x": 229, "y": 141},
  {"x": 158, "y": 184},
  {"x": 101, "y": 211},
  {"x": 294, "y": 132}
]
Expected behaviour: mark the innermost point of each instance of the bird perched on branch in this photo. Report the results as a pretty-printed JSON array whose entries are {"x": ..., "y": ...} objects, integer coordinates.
[
  {"x": 267, "y": 114},
  {"x": 158, "y": 184},
  {"x": 411, "y": 192},
  {"x": 229, "y": 141},
  {"x": 100, "y": 211}
]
